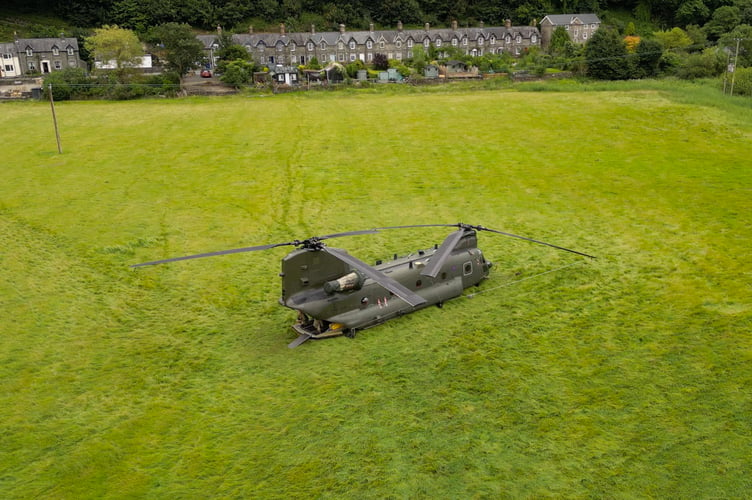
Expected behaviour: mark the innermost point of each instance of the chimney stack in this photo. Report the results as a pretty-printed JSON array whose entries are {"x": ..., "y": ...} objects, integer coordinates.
[
  {"x": 482, "y": 24},
  {"x": 454, "y": 25},
  {"x": 313, "y": 29},
  {"x": 399, "y": 26},
  {"x": 427, "y": 26},
  {"x": 282, "y": 29},
  {"x": 250, "y": 29},
  {"x": 341, "y": 28},
  {"x": 508, "y": 23},
  {"x": 370, "y": 27}
]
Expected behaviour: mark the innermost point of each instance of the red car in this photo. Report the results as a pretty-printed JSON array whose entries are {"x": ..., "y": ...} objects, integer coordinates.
[{"x": 206, "y": 74}]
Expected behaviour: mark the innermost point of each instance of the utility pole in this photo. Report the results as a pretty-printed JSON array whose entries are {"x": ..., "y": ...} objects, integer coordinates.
[
  {"x": 54, "y": 120},
  {"x": 736, "y": 58}
]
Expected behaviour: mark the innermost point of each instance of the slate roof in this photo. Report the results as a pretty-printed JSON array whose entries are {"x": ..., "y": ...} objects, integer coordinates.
[
  {"x": 332, "y": 38},
  {"x": 566, "y": 19},
  {"x": 46, "y": 44}
]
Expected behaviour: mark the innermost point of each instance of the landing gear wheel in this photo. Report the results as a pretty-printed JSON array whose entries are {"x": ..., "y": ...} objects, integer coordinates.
[
  {"x": 350, "y": 333},
  {"x": 440, "y": 305}
]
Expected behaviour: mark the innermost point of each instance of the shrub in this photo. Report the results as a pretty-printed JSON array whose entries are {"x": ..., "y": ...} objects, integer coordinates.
[
  {"x": 706, "y": 64},
  {"x": 743, "y": 81}
]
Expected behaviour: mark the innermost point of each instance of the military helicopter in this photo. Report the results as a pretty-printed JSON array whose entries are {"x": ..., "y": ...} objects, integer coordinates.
[{"x": 336, "y": 294}]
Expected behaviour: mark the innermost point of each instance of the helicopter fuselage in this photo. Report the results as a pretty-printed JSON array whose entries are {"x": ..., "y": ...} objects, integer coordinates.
[{"x": 333, "y": 299}]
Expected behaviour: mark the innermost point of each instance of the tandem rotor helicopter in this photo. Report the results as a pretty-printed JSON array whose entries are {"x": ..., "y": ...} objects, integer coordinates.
[{"x": 336, "y": 294}]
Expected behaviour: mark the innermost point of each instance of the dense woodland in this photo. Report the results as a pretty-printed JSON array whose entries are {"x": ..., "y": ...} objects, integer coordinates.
[{"x": 139, "y": 15}]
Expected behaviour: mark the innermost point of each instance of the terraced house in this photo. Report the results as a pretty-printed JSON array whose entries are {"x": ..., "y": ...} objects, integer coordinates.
[
  {"x": 343, "y": 46},
  {"x": 33, "y": 56}
]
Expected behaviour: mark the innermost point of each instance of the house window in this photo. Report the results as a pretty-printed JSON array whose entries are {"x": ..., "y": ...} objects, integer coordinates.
[
  {"x": 493, "y": 40},
  {"x": 7, "y": 56},
  {"x": 32, "y": 66},
  {"x": 352, "y": 57},
  {"x": 309, "y": 46},
  {"x": 292, "y": 47},
  {"x": 323, "y": 45},
  {"x": 426, "y": 43},
  {"x": 399, "y": 56},
  {"x": 455, "y": 42},
  {"x": 58, "y": 65},
  {"x": 341, "y": 57},
  {"x": 398, "y": 44},
  {"x": 438, "y": 42},
  {"x": 9, "y": 67},
  {"x": 369, "y": 44},
  {"x": 464, "y": 40},
  {"x": 534, "y": 38},
  {"x": 55, "y": 51},
  {"x": 409, "y": 54},
  {"x": 592, "y": 26},
  {"x": 382, "y": 44},
  {"x": 508, "y": 39},
  {"x": 352, "y": 44},
  {"x": 584, "y": 36},
  {"x": 29, "y": 52},
  {"x": 293, "y": 59},
  {"x": 341, "y": 46},
  {"x": 410, "y": 44},
  {"x": 70, "y": 51},
  {"x": 480, "y": 41},
  {"x": 518, "y": 39},
  {"x": 370, "y": 56}
]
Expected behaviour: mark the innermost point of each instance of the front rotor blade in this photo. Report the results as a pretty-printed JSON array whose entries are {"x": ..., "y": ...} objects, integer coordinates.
[
  {"x": 348, "y": 233},
  {"x": 213, "y": 254},
  {"x": 481, "y": 228},
  {"x": 382, "y": 279},
  {"x": 442, "y": 254}
]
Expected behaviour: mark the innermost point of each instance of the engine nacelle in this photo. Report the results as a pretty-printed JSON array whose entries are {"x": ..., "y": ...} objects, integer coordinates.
[{"x": 352, "y": 281}]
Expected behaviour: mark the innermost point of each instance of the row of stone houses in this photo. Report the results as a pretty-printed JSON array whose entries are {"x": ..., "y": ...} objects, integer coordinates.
[
  {"x": 271, "y": 49},
  {"x": 33, "y": 56},
  {"x": 27, "y": 56}
]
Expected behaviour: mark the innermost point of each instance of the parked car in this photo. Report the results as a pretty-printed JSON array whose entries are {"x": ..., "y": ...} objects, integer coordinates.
[{"x": 206, "y": 74}]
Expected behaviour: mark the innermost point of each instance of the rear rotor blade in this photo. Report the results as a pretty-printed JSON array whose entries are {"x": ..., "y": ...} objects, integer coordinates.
[
  {"x": 382, "y": 279},
  {"x": 481, "y": 228},
  {"x": 213, "y": 254},
  {"x": 442, "y": 254}
]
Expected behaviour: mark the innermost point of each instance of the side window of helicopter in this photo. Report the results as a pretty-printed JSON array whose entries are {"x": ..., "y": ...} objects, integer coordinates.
[{"x": 468, "y": 268}]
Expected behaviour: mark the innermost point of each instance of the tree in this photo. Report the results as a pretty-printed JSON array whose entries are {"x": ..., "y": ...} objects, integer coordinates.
[
  {"x": 178, "y": 46},
  {"x": 606, "y": 56},
  {"x": 649, "y": 52},
  {"x": 742, "y": 34},
  {"x": 677, "y": 38},
  {"x": 561, "y": 44},
  {"x": 117, "y": 46},
  {"x": 380, "y": 62},
  {"x": 692, "y": 11},
  {"x": 724, "y": 19},
  {"x": 237, "y": 73}
]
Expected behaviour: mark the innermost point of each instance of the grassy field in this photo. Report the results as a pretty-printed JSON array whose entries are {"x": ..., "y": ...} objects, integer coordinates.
[{"x": 624, "y": 377}]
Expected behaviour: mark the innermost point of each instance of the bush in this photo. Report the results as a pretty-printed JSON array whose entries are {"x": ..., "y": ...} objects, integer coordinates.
[
  {"x": 69, "y": 83},
  {"x": 743, "y": 81},
  {"x": 707, "y": 64}
]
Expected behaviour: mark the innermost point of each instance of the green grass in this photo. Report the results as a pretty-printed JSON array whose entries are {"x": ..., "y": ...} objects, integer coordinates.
[{"x": 624, "y": 377}]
